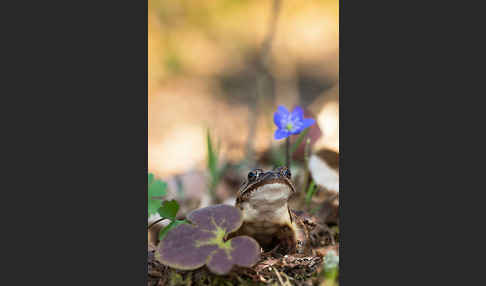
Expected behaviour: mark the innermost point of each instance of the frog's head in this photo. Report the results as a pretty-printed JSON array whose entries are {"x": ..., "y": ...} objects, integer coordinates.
[{"x": 270, "y": 189}]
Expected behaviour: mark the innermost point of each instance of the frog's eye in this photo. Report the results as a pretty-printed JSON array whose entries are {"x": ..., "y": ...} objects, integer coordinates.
[
  {"x": 252, "y": 175},
  {"x": 286, "y": 173}
]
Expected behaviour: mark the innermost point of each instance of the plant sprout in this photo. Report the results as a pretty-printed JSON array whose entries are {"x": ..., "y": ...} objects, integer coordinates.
[{"x": 156, "y": 205}]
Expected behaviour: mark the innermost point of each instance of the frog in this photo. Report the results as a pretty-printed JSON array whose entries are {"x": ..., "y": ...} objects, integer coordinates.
[{"x": 263, "y": 199}]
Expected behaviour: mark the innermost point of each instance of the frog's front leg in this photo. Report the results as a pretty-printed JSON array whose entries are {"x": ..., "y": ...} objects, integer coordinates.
[
  {"x": 302, "y": 241},
  {"x": 294, "y": 239}
]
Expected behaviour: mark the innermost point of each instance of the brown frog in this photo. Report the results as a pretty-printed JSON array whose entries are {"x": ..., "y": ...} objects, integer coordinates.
[{"x": 263, "y": 200}]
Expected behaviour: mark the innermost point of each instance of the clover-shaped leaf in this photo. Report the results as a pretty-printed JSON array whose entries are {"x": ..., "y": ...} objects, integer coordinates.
[
  {"x": 190, "y": 246},
  {"x": 172, "y": 224},
  {"x": 156, "y": 189},
  {"x": 169, "y": 209},
  {"x": 150, "y": 178}
]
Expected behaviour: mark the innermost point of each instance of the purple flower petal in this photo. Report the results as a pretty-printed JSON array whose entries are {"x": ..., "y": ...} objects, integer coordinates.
[
  {"x": 277, "y": 119},
  {"x": 296, "y": 131},
  {"x": 307, "y": 122},
  {"x": 280, "y": 116},
  {"x": 281, "y": 133},
  {"x": 282, "y": 109},
  {"x": 298, "y": 112}
]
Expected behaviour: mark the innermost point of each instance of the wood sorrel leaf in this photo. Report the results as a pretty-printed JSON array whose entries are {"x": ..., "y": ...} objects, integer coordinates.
[
  {"x": 150, "y": 178},
  {"x": 190, "y": 246},
  {"x": 226, "y": 217},
  {"x": 156, "y": 189},
  {"x": 169, "y": 209},
  {"x": 170, "y": 226}
]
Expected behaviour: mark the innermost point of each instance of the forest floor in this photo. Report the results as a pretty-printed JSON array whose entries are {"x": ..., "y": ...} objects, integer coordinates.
[{"x": 273, "y": 268}]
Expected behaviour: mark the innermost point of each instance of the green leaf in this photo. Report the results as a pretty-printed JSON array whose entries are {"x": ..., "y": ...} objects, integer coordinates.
[
  {"x": 331, "y": 265},
  {"x": 299, "y": 140},
  {"x": 310, "y": 192},
  {"x": 330, "y": 268},
  {"x": 169, "y": 209},
  {"x": 212, "y": 158},
  {"x": 150, "y": 179},
  {"x": 214, "y": 171},
  {"x": 171, "y": 225},
  {"x": 156, "y": 190},
  {"x": 331, "y": 276}
]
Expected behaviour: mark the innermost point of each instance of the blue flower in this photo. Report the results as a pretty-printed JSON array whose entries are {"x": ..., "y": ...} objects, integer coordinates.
[{"x": 290, "y": 123}]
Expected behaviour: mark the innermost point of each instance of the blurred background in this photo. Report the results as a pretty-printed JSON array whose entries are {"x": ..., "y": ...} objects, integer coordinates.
[{"x": 225, "y": 65}]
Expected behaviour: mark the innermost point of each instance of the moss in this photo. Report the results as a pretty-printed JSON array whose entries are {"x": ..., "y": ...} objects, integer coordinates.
[
  {"x": 202, "y": 277},
  {"x": 177, "y": 279}
]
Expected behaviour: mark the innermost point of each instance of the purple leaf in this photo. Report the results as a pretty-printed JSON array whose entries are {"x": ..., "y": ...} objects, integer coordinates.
[
  {"x": 224, "y": 216},
  {"x": 190, "y": 246},
  {"x": 245, "y": 251},
  {"x": 219, "y": 262},
  {"x": 171, "y": 225},
  {"x": 178, "y": 249}
]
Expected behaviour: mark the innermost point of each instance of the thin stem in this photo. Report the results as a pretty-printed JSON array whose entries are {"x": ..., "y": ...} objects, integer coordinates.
[
  {"x": 287, "y": 152},
  {"x": 306, "y": 166},
  {"x": 307, "y": 152},
  {"x": 157, "y": 221}
]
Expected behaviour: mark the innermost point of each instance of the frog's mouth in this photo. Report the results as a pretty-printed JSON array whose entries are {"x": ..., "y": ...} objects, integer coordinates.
[
  {"x": 270, "y": 195},
  {"x": 270, "y": 183},
  {"x": 268, "y": 203}
]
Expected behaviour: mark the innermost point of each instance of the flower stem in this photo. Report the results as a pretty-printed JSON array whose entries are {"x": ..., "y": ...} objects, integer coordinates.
[
  {"x": 306, "y": 166},
  {"x": 287, "y": 152}
]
